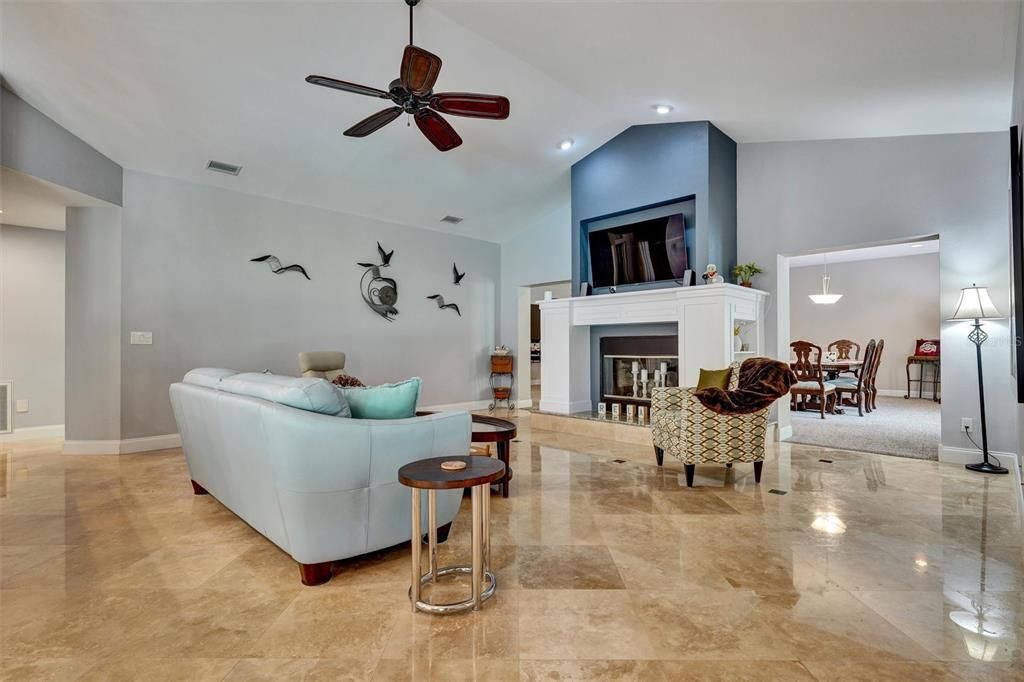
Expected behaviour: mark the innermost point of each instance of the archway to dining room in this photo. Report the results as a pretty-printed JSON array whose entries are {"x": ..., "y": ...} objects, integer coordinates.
[{"x": 863, "y": 336}]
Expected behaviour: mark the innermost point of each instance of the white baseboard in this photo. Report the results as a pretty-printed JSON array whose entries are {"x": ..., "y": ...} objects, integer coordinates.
[
  {"x": 122, "y": 447},
  {"x": 901, "y": 392},
  {"x": 34, "y": 433},
  {"x": 557, "y": 407},
  {"x": 784, "y": 432},
  {"x": 524, "y": 403},
  {"x": 953, "y": 455},
  {"x": 470, "y": 405},
  {"x": 150, "y": 443}
]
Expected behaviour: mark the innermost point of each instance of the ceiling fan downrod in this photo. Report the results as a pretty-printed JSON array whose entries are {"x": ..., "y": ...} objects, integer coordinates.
[{"x": 411, "y": 3}]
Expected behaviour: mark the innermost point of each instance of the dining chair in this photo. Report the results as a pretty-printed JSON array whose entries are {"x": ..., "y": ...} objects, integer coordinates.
[
  {"x": 810, "y": 378},
  {"x": 873, "y": 374},
  {"x": 857, "y": 386},
  {"x": 846, "y": 350}
]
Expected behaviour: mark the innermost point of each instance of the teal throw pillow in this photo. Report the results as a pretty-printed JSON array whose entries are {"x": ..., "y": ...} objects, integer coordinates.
[{"x": 387, "y": 401}]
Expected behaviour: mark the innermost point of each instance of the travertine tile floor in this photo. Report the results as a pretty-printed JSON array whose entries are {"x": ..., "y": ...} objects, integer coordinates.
[{"x": 869, "y": 568}]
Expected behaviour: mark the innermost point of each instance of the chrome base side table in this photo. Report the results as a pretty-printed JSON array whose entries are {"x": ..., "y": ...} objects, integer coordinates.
[{"x": 427, "y": 474}]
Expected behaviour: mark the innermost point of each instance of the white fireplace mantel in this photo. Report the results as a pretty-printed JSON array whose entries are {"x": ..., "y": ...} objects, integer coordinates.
[{"x": 705, "y": 314}]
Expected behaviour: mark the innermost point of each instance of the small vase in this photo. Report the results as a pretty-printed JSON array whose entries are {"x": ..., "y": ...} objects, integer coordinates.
[
  {"x": 749, "y": 285},
  {"x": 737, "y": 343}
]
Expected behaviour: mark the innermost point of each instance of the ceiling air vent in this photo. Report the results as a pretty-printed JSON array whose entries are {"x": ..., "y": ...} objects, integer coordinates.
[
  {"x": 451, "y": 219},
  {"x": 221, "y": 167}
]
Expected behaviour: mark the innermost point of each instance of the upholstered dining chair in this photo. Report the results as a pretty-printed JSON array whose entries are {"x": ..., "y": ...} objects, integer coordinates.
[
  {"x": 873, "y": 374},
  {"x": 323, "y": 364},
  {"x": 846, "y": 350},
  {"x": 694, "y": 434},
  {"x": 810, "y": 378},
  {"x": 857, "y": 386}
]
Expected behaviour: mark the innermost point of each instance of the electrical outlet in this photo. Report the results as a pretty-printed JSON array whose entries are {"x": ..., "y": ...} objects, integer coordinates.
[
  {"x": 141, "y": 338},
  {"x": 21, "y": 406},
  {"x": 966, "y": 424}
]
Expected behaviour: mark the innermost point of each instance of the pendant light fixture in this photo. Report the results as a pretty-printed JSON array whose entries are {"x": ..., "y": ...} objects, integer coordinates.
[{"x": 824, "y": 298}]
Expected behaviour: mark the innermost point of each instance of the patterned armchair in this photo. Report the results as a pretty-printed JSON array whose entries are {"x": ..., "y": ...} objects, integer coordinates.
[{"x": 693, "y": 434}]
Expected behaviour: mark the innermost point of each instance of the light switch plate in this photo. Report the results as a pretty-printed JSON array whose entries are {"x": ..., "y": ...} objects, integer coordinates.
[
  {"x": 21, "y": 406},
  {"x": 142, "y": 338}
]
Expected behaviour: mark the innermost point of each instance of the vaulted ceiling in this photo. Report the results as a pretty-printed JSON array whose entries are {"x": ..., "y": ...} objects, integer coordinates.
[{"x": 165, "y": 86}]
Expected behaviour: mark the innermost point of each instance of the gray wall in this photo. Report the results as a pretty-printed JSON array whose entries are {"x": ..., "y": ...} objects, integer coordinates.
[
  {"x": 32, "y": 321},
  {"x": 797, "y": 197},
  {"x": 187, "y": 278},
  {"x": 93, "y": 323},
  {"x": 34, "y": 144},
  {"x": 892, "y": 298},
  {"x": 539, "y": 253}
]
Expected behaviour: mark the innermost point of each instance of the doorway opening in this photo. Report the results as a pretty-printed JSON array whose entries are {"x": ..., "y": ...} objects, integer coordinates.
[
  {"x": 869, "y": 361},
  {"x": 529, "y": 343}
]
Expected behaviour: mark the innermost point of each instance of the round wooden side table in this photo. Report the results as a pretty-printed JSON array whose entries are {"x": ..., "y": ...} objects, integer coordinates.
[{"x": 427, "y": 474}]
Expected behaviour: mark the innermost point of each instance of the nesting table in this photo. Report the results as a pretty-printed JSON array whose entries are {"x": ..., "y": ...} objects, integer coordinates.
[{"x": 427, "y": 474}]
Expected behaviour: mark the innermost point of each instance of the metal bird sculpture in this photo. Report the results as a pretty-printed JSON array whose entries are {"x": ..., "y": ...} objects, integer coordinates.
[
  {"x": 379, "y": 293},
  {"x": 439, "y": 299},
  {"x": 456, "y": 275},
  {"x": 277, "y": 268}
]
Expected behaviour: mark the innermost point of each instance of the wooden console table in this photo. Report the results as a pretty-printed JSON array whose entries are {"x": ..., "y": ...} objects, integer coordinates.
[{"x": 924, "y": 362}]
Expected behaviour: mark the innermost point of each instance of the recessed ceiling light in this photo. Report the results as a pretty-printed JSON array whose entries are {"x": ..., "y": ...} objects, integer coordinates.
[
  {"x": 916, "y": 246},
  {"x": 566, "y": 144},
  {"x": 662, "y": 109}
]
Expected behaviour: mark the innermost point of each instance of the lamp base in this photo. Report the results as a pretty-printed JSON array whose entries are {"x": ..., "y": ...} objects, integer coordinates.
[{"x": 987, "y": 468}]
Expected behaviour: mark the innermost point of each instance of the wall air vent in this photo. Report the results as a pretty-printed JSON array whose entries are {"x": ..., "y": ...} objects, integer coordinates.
[
  {"x": 221, "y": 167},
  {"x": 451, "y": 219}
]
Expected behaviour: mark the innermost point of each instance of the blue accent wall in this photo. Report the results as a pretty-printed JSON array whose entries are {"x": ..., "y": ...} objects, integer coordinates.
[{"x": 650, "y": 165}]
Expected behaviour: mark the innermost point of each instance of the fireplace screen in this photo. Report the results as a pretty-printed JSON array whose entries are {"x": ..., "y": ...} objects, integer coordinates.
[
  {"x": 631, "y": 377},
  {"x": 627, "y": 362}
]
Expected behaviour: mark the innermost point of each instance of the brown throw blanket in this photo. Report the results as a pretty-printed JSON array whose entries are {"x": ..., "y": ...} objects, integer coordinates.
[{"x": 762, "y": 381}]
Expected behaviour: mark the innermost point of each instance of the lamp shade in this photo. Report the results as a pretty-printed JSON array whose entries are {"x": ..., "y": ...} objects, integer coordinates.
[{"x": 975, "y": 303}]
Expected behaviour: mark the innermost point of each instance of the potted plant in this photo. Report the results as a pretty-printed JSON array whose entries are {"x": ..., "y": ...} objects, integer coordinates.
[{"x": 744, "y": 273}]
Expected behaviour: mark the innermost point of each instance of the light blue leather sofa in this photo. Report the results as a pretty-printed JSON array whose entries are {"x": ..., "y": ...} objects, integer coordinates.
[{"x": 318, "y": 486}]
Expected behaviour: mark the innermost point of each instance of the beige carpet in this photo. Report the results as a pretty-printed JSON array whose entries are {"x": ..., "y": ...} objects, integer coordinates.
[{"x": 905, "y": 428}]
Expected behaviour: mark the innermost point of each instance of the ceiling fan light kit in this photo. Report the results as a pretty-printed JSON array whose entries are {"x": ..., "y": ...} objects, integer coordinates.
[{"x": 413, "y": 93}]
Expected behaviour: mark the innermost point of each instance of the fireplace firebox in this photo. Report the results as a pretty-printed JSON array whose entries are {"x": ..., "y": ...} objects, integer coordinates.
[{"x": 627, "y": 360}]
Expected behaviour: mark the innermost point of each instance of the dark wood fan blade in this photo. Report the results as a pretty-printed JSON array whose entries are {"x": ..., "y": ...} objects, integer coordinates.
[
  {"x": 374, "y": 122},
  {"x": 470, "y": 104},
  {"x": 419, "y": 70},
  {"x": 437, "y": 130},
  {"x": 347, "y": 87}
]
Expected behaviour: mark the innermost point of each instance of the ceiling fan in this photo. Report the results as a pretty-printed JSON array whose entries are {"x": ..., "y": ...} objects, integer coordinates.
[{"x": 413, "y": 93}]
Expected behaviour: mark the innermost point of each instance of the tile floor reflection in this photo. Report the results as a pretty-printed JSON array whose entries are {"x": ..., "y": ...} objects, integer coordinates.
[{"x": 868, "y": 568}]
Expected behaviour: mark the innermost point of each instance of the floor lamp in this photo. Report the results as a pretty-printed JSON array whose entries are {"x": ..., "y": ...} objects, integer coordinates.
[{"x": 975, "y": 304}]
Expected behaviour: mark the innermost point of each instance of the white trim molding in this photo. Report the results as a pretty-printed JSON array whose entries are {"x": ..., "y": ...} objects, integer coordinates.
[
  {"x": 469, "y": 405},
  {"x": 122, "y": 447},
  {"x": 34, "y": 433}
]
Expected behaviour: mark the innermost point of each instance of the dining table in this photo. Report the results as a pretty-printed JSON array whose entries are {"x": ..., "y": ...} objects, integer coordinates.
[{"x": 834, "y": 368}]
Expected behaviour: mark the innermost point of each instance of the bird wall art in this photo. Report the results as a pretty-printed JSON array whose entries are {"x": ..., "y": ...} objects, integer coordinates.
[
  {"x": 439, "y": 299},
  {"x": 379, "y": 293},
  {"x": 277, "y": 268},
  {"x": 456, "y": 275}
]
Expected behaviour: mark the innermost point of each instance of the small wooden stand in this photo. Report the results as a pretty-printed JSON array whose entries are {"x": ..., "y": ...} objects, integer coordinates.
[
  {"x": 924, "y": 362},
  {"x": 501, "y": 370}
]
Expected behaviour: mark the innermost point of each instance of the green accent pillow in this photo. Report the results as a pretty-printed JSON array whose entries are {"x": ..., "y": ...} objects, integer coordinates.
[
  {"x": 387, "y": 401},
  {"x": 714, "y": 378}
]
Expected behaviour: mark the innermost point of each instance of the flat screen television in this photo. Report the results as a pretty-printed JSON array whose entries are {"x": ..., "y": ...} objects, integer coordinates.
[{"x": 646, "y": 251}]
